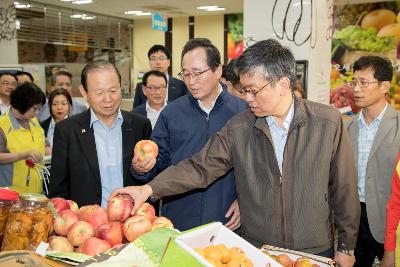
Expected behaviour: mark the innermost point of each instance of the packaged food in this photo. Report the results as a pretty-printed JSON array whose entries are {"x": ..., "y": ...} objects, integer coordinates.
[
  {"x": 28, "y": 223},
  {"x": 7, "y": 198}
]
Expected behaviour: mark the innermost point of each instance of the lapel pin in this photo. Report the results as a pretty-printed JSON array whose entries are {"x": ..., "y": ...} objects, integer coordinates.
[{"x": 83, "y": 130}]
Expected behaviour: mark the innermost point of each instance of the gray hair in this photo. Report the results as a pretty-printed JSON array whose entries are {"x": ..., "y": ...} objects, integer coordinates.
[{"x": 96, "y": 66}]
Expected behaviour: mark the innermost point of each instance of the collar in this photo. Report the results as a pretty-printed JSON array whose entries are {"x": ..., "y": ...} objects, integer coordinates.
[
  {"x": 361, "y": 118},
  {"x": 150, "y": 109},
  {"x": 288, "y": 119},
  {"x": 16, "y": 123},
  {"x": 93, "y": 117},
  {"x": 220, "y": 90}
]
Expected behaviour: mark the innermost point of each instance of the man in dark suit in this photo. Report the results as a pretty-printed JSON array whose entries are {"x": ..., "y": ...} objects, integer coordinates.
[
  {"x": 159, "y": 59},
  {"x": 93, "y": 150}
]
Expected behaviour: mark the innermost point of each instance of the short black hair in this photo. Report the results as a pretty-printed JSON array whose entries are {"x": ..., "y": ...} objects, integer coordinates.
[
  {"x": 53, "y": 78},
  {"x": 153, "y": 73},
  {"x": 269, "y": 57},
  {"x": 382, "y": 67},
  {"x": 231, "y": 75},
  {"x": 20, "y": 73},
  {"x": 25, "y": 96},
  {"x": 212, "y": 53},
  {"x": 156, "y": 48},
  {"x": 9, "y": 74},
  {"x": 96, "y": 66},
  {"x": 57, "y": 92}
]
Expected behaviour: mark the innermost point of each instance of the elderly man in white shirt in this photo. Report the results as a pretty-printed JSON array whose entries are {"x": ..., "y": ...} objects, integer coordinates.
[{"x": 155, "y": 89}]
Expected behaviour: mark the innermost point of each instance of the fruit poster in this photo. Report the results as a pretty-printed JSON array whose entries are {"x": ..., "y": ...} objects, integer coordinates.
[
  {"x": 363, "y": 29},
  {"x": 234, "y": 36}
]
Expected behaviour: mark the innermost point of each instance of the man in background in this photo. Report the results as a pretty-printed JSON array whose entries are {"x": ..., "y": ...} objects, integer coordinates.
[
  {"x": 155, "y": 89},
  {"x": 62, "y": 79},
  {"x": 375, "y": 139},
  {"x": 23, "y": 76},
  {"x": 8, "y": 82},
  {"x": 159, "y": 59}
]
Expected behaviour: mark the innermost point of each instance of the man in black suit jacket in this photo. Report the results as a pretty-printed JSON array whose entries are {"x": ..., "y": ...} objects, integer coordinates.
[
  {"x": 159, "y": 59},
  {"x": 85, "y": 168}
]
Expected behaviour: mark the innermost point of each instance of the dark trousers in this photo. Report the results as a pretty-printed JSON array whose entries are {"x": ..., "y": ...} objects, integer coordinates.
[
  {"x": 367, "y": 247},
  {"x": 327, "y": 254}
]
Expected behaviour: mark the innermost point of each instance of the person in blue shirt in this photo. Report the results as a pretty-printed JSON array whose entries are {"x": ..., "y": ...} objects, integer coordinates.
[{"x": 184, "y": 127}]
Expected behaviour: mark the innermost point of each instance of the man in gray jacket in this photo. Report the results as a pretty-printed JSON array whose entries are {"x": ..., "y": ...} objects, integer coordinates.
[
  {"x": 375, "y": 138},
  {"x": 292, "y": 162}
]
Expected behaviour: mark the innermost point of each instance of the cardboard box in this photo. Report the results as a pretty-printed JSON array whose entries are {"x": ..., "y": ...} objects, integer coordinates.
[{"x": 180, "y": 251}]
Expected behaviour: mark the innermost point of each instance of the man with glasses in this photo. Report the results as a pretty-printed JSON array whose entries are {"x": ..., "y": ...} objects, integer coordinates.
[
  {"x": 159, "y": 59},
  {"x": 292, "y": 162},
  {"x": 8, "y": 82},
  {"x": 375, "y": 139},
  {"x": 155, "y": 89},
  {"x": 184, "y": 127}
]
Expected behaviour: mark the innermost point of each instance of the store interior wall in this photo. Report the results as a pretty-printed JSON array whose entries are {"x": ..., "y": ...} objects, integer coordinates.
[
  {"x": 9, "y": 45},
  {"x": 180, "y": 30}
]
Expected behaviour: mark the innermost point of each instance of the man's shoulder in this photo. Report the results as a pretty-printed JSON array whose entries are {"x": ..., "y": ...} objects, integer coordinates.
[
  {"x": 321, "y": 111},
  {"x": 134, "y": 118},
  {"x": 141, "y": 109},
  {"x": 242, "y": 119},
  {"x": 74, "y": 120}
]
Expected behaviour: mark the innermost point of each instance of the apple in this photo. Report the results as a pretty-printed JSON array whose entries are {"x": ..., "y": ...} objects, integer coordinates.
[
  {"x": 111, "y": 232},
  {"x": 93, "y": 246},
  {"x": 60, "y": 243},
  {"x": 303, "y": 262},
  {"x": 147, "y": 210},
  {"x": 73, "y": 205},
  {"x": 119, "y": 208},
  {"x": 59, "y": 204},
  {"x": 378, "y": 19},
  {"x": 162, "y": 222},
  {"x": 146, "y": 149},
  {"x": 93, "y": 214},
  {"x": 64, "y": 220},
  {"x": 284, "y": 260},
  {"x": 391, "y": 30},
  {"x": 79, "y": 232},
  {"x": 135, "y": 226}
]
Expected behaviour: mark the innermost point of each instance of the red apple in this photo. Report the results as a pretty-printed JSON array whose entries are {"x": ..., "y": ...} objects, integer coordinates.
[
  {"x": 111, "y": 232},
  {"x": 59, "y": 204},
  {"x": 63, "y": 222},
  {"x": 93, "y": 246},
  {"x": 146, "y": 149},
  {"x": 284, "y": 260},
  {"x": 72, "y": 205},
  {"x": 136, "y": 226},
  {"x": 147, "y": 210},
  {"x": 79, "y": 232},
  {"x": 162, "y": 222},
  {"x": 303, "y": 262},
  {"x": 119, "y": 208},
  {"x": 93, "y": 214},
  {"x": 60, "y": 243}
]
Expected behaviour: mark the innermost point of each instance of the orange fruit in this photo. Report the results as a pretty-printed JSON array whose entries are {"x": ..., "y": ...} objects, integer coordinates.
[
  {"x": 226, "y": 253},
  {"x": 237, "y": 253},
  {"x": 213, "y": 252}
]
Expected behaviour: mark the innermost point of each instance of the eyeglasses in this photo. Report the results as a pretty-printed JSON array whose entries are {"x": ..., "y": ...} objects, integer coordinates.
[
  {"x": 253, "y": 92},
  {"x": 361, "y": 83},
  {"x": 154, "y": 89},
  {"x": 6, "y": 83},
  {"x": 185, "y": 74},
  {"x": 162, "y": 58}
]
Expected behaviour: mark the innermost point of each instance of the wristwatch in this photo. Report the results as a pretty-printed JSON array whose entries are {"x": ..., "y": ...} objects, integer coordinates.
[{"x": 349, "y": 252}]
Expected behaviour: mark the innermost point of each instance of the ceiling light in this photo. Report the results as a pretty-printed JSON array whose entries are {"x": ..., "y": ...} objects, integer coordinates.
[
  {"x": 20, "y": 5},
  {"x": 76, "y": 16},
  {"x": 86, "y": 17},
  {"x": 82, "y": 2},
  {"x": 206, "y": 7},
  {"x": 215, "y": 9},
  {"x": 66, "y": 0},
  {"x": 143, "y": 14},
  {"x": 133, "y": 12}
]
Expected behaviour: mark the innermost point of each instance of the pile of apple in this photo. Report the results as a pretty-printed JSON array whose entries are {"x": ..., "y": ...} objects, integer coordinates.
[
  {"x": 286, "y": 261},
  {"x": 92, "y": 229}
]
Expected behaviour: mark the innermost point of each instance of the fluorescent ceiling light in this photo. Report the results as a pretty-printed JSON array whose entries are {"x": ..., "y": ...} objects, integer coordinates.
[
  {"x": 133, "y": 12},
  {"x": 86, "y": 17},
  {"x": 206, "y": 7},
  {"x": 143, "y": 14},
  {"x": 215, "y": 9},
  {"x": 21, "y": 5},
  {"x": 66, "y": 0},
  {"x": 76, "y": 16},
  {"x": 82, "y": 2}
]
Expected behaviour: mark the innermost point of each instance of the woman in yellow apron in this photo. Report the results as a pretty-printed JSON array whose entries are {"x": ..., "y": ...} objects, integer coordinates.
[{"x": 22, "y": 139}]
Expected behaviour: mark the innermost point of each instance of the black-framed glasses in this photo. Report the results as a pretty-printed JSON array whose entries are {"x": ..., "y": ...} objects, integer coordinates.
[
  {"x": 362, "y": 83},
  {"x": 154, "y": 89},
  {"x": 162, "y": 58},
  {"x": 186, "y": 74},
  {"x": 253, "y": 92},
  {"x": 7, "y": 83}
]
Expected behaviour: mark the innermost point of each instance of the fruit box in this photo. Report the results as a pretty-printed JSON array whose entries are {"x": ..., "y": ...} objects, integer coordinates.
[{"x": 180, "y": 250}]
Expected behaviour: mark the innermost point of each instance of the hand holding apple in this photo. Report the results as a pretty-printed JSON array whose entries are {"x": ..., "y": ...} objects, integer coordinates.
[
  {"x": 146, "y": 149},
  {"x": 119, "y": 208},
  {"x": 139, "y": 195}
]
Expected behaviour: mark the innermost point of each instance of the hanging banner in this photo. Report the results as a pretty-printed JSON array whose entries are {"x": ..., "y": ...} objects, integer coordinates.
[{"x": 160, "y": 23}]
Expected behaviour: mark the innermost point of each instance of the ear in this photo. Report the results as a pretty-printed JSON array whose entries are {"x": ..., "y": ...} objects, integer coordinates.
[
  {"x": 218, "y": 71},
  {"x": 144, "y": 90},
  {"x": 169, "y": 62},
  {"x": 283, "y": 85},
  {"x": 83, "y": 92},
  {"x": 385, "y": 87}
]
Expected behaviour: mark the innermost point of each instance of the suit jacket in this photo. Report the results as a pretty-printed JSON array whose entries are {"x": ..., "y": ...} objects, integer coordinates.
[
  {"x": 380, "y": 167},
  {"x": 75, "y": 170},
  {"x": 45, "y": 125},
  {"x": 176, "y": 88},
  {"x": 141, "y": 110}
]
